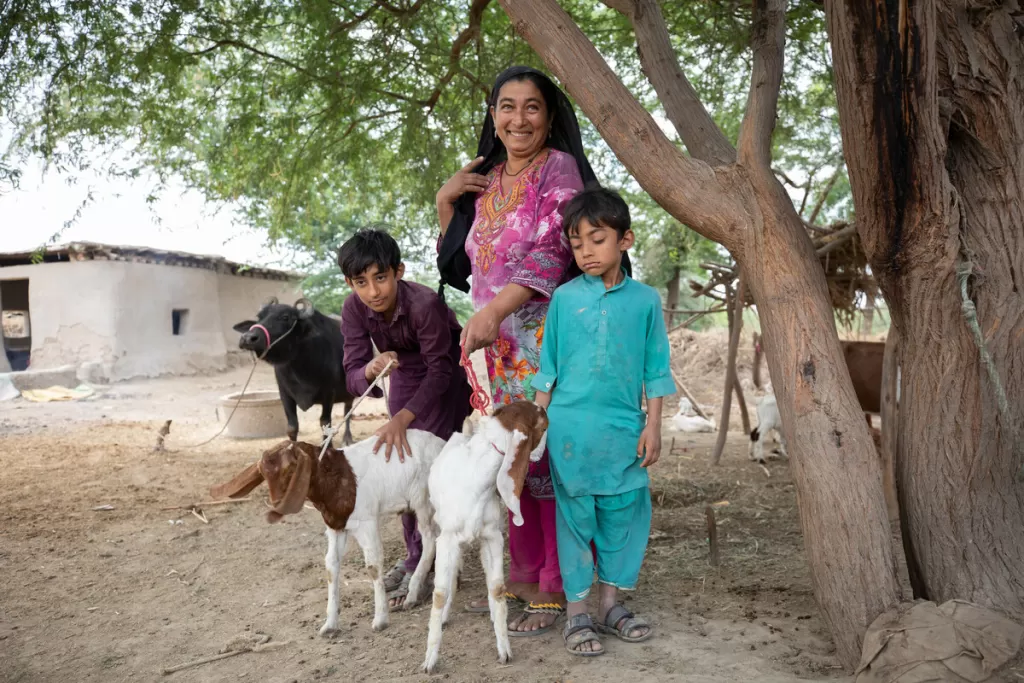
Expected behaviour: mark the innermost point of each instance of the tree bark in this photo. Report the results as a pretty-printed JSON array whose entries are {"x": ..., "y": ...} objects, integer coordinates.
[
  {"x": 867, "y": 324},
  {"x": 932, "y": 109},
  {"x": 890, "y": 422},
  {"x": 744, "y": 208},
  {"x": 672, "y": 301}
]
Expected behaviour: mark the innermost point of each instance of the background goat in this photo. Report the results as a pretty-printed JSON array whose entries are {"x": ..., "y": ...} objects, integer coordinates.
[
  {"x": 353, "y": 489},
  {"x": 306, "y": 350},
  {"x": 768, "y": 420},
  {"x": 468, "y": 482}
]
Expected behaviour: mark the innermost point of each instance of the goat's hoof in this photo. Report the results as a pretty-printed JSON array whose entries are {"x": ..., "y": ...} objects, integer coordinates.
[
  {"x": 429, "y": 667},
  {"x": 380, "y": 625},
  {"x": 329, "y": 631}
]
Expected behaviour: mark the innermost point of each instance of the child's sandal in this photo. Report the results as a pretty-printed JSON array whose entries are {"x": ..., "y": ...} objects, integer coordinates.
[
  {"x": 618, "y": 614},
  {"x": 578, "y": 631}
]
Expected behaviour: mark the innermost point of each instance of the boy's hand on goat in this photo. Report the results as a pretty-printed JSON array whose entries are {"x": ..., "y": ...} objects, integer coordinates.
[
  {"x": 649, "y": 447},
  {"x": 393, "y": 434},
  {"x": 377, "y": 365}
]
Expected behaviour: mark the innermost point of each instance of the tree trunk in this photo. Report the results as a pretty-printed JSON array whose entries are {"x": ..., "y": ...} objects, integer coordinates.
[
  {"x": 744, "y": 208},
  {"x": 672, "y": 300},
  {"x": 868, "y": 321},
  {"x": 755, "y": 369},
  {"x": 932, "y": 113},
  {"x": 890, "y": 422}
]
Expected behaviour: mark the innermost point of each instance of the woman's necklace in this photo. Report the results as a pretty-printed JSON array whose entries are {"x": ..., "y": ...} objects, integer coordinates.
[{"x": 504, "y": 169}]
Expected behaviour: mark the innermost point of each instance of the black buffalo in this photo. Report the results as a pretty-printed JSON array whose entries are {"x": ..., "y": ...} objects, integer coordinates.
[{"x": 305, "y": 347}]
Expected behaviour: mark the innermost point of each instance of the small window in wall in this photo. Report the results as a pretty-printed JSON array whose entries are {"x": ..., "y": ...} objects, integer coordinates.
[{"x": 179, "y": 321}]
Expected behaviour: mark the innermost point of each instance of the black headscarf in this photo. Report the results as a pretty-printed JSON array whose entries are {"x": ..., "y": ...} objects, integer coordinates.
[{"x": 452, "y": 261}]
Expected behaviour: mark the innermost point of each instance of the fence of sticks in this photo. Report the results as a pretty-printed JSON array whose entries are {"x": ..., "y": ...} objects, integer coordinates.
[{"x": 846, "y": 273}]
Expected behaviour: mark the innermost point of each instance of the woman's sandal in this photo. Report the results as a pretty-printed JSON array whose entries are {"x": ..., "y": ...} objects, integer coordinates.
[
  {"x": 618, "y": 614},
  {"x": 578, "y": 631},
  {"x": 531, "y": 609},
  {"x": 512, "y": 599}
]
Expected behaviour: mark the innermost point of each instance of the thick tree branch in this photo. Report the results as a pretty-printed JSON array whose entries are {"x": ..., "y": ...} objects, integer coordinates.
[
  {"x": 768, "y": 40},
  {"x": 688, "y": 189},
  {"x": 658, "y": 59}
]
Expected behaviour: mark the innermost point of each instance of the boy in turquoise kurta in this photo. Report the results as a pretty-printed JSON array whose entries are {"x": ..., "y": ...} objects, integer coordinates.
[{"x": 604, "y": 345}]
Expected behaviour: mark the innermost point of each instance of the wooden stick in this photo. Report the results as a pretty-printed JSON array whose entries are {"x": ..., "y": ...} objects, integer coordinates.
[
  {"x": 211, "y": 503},
  {"x": 686, "y": 392},
  {"x": 223, "y": 655},
  {"x": 730, "y": 371},
  {"x": 709, "y": 513}
]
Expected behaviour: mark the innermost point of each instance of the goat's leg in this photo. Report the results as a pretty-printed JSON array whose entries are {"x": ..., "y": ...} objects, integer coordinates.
[
  {"x": 444, "y": 587},
  {"x": 426, "y": 528},
  {"x": 492, "y": 558},
  {"x": 757, "y": 436},
  {"x": 368, "y": 536},
  {"x": 336, "y": 544}
]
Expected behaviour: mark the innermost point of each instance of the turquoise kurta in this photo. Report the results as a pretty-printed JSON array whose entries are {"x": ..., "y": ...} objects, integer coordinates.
[{"x": 601, "y": 350}]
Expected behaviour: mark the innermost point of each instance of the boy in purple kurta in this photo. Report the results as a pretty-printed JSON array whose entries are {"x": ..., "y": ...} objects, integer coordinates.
[{"x": 411, "y": 325}]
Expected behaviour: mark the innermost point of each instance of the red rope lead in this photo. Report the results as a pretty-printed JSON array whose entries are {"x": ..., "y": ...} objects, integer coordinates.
[{"x": 479, "y": 398}]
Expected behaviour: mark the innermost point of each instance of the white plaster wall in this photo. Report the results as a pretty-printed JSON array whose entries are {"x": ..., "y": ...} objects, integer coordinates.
[
  {"x": 242, "y": 297},
  {"x": 146, "y": 345},
  {"x": 71, "y": 306},
  {"x": 120, "y": 314}
]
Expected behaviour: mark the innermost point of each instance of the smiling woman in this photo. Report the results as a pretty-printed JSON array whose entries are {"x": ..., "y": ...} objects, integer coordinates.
[{"x": 501, "y": 225}]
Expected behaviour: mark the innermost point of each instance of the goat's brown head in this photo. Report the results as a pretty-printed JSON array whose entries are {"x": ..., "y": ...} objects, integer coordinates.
[
  {"x": 524, "y": 425},
  {"x": 287, "y": 469}
]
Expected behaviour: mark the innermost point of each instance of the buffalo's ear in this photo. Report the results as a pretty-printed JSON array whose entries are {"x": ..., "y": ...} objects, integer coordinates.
[
  {"x": 243, "y": 326},
  {"x": 305, "y": 308}
]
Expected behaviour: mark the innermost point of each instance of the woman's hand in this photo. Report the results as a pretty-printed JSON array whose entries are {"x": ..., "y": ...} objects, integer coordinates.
[
  {"x": 481, "y": 330},
  {"x": 460, "y": 183}
]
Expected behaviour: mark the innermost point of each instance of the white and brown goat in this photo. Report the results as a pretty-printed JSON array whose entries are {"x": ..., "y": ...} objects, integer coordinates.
[
  {"x": 353, "y": 489},
  {"x": 468, "y": 483}
]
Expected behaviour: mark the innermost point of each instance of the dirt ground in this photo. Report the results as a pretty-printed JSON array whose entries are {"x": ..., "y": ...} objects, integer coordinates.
[{"x": 117, "y": 595}]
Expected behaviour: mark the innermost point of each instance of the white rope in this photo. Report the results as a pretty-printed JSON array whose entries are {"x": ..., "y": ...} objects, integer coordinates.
[
  {"x": 255, "y": 362},
  {"x": 329, "y": 432}
]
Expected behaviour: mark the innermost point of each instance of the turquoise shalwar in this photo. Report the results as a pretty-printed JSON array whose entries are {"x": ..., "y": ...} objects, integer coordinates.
[{"x": 603, "y": 348}]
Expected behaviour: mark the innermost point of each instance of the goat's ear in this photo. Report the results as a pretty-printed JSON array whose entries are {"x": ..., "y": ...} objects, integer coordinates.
[
  {"x": 537, "y": 453},
  {"x": 298, "y": 488},
  {"x": 243, "y": 483},
  {"x": 512, "y": 472},
  {"x": 243, "y": 326}
]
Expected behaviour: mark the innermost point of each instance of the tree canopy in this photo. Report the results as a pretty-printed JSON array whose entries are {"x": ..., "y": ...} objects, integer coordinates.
[{"x": 316, "y": 117}]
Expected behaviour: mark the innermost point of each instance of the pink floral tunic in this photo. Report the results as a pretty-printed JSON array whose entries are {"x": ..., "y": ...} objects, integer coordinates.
[{"x": 517, "y": 238}]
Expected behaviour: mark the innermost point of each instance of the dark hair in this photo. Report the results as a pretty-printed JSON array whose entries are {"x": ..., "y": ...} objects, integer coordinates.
[
  {"x": 548, "y": 90},
  {"x": 368, "y": 248},
  {"x": 598, "y": 206}
]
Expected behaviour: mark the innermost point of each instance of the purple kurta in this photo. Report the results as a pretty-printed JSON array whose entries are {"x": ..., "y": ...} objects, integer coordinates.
[{"x": 423, "y": 331}]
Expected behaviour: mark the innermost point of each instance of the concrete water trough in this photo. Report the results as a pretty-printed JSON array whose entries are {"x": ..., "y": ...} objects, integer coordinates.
[{"x": 259, "y": 415}]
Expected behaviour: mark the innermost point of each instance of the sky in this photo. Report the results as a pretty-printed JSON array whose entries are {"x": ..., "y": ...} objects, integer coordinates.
[{"x": 180, "y": 220}]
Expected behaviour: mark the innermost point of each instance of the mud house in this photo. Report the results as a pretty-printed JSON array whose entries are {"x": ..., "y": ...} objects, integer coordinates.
[{"x": 117, "y": 312}]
